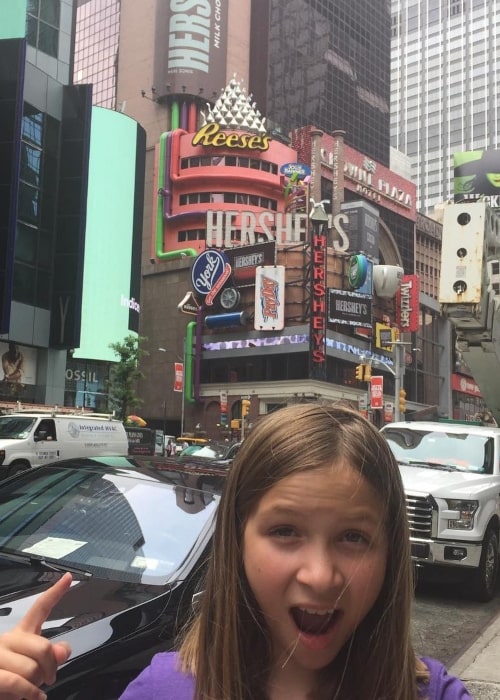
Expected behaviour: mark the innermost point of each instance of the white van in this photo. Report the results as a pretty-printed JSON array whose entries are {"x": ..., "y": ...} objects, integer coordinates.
[{"x": 28, "y": 439}]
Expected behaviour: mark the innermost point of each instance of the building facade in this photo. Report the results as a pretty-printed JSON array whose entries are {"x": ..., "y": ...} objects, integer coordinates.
[
  {"x": 445, "y": 78},
  {"x": 225, "y": 187},
  {"x": 96, "y": 49},
  {"x": 217, "y": 194},
  {"x": 324, "y": 63},
  {"x": 57, "y": 151}
]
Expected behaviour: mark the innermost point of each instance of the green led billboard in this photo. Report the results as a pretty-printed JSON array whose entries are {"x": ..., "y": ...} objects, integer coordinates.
[
  {"x": 13, "y": 20},
  {"x": 110, "y": 307}
]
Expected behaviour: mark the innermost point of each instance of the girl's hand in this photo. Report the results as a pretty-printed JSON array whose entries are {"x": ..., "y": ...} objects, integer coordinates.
[{"x": 26, "y": 658}]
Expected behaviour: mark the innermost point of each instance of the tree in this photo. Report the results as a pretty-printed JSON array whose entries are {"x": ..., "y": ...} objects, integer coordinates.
[{"x": 124, "y": 375}]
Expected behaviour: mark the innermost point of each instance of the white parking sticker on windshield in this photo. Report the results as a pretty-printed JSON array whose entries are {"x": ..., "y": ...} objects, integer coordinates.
[
  {"x": 144, "y": 563},
  {"x": 54, "y": 547}
]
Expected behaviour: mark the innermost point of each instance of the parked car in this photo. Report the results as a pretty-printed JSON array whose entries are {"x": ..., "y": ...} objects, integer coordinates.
[
  {"x": 211, "y": 451},
  {"x": 184, "y": 441},
  {"x": 135, "y": 537}
]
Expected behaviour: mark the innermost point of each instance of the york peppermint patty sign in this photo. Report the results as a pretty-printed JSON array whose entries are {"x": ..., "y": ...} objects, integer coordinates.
[{"x": 209, "y": 273}]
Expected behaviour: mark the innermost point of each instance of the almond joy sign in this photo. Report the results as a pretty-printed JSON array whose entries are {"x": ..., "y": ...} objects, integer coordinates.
[{"x": 209, "y": 273}]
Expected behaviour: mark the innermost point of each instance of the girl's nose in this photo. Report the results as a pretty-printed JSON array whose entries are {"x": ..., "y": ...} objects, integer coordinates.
[{"x": 321, "y": 570}]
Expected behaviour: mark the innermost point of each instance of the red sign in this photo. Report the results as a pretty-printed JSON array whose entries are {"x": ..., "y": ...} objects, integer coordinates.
[
  {"x": 178, "y": 376},
  {"x": 465, "y": 385},
  {"x": 317, "y": 324},
  {"x": 377, "y": 392},
  {"x": 407, "y": 304}
]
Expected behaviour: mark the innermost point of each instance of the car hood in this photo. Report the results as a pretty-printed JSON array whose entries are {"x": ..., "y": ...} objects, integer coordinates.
[
  {"x": 92, "y": 613},
  {"x": 423, "y": 480}
]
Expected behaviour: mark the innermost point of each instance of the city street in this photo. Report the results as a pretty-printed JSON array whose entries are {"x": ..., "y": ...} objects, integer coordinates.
[{"x": 446, "y": 623}]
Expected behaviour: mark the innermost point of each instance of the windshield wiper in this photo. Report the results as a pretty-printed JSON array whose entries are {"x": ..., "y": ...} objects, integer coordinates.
[
  {"x": 43, "y": 564},
  {"x": 430, "y": 465}
]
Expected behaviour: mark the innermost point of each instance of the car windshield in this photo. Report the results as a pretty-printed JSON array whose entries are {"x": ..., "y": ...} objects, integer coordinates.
[
  {"x": 15, "y": 427},
  {"x": 210, "y": 451},
  {"x": 114, "y": 524},
  {"x": 461, "y": 451}
]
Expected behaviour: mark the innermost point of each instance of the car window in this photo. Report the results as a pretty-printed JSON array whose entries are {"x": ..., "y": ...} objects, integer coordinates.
[
  {"x": 17, "y": 427},
  {"x": 211, "y": 451},
  {"x": 111, "y": 524}
]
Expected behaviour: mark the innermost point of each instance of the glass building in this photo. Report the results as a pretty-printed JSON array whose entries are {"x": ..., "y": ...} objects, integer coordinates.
[
  {"x": 64, "y": 229},
  {"x": 326, "y": 63},
  {"x": 445, "y": 78},
  {"x": 96, "y": 49}
]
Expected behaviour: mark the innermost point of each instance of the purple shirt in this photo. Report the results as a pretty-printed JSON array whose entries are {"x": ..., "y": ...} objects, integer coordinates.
[{"x": 161, "y": 680}]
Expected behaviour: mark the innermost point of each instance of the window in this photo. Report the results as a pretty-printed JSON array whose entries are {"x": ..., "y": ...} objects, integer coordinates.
[
  {"x": 42, "y": 25},
  {"x": 32, "y": 279}
]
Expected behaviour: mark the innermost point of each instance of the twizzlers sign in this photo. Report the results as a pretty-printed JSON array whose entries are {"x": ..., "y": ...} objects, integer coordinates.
[{"x": 407, "y": 304}]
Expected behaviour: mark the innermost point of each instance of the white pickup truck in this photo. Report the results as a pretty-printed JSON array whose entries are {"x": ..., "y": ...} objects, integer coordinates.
[{"x": 451, "y": 478}]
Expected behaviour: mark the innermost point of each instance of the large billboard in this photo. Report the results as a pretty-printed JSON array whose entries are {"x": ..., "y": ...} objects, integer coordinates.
[
  {"x": 477, "y": 173},
  {"x": 190, "y": 48},
  {"x": 111, "y": 277}
]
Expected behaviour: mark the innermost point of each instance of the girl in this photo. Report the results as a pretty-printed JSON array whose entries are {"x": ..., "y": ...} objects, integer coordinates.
[{"x": 309, "y": 588}]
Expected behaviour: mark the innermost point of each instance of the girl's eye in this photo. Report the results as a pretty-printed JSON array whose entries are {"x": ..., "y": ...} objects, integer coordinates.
[
  {"x": 356, "y": 537},
  {"x": 283, "y": 531}
]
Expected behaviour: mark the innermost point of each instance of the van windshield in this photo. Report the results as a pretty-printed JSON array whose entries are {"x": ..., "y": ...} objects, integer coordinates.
[{"x": 15, "y": 427}]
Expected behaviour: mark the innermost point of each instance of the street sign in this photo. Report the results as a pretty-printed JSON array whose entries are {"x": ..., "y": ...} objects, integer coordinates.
[
  {"x": 189, "y": 305},
  {"x": 377, "y": 392}
]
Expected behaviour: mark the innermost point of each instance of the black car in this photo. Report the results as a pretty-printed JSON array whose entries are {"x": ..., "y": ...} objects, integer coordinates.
[
  {"x": 213, "y": 456},
  {"x": 212, "y": 453},
  {"x": 135, "y": 536}
]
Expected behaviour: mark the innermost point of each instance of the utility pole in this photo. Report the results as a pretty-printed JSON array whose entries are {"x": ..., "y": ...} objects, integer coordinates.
[
  {"x": 398, "y": 377},
  {"x": 398, "y": 372}
]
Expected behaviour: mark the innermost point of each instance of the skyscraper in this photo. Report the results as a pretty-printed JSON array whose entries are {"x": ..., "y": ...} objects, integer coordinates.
[
  {"x": 445, "y": 81},
  {"x": 96, "y": 49},
  {"x": 72, "y": 200},
  {"x": 327, "y": 63}
]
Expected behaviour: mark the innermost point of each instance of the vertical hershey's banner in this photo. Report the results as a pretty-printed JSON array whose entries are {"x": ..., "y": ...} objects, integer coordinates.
[{"x": 190, "y": 48}]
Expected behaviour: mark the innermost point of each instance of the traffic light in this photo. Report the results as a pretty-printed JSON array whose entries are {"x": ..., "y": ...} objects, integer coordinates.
[
  {"x": 360, "y": 372},
  {"x": 235, "y": 424},
  {"x": 368, "y": 373},
  {"x": 402, "y": 400},
  {"x": 245, "y": 407}
]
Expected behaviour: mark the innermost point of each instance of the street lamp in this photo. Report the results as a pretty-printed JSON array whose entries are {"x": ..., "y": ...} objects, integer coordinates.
[{"x": 182, "y": 360}]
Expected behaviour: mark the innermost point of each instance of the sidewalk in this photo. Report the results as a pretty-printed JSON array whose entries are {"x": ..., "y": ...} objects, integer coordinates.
[{"x": 479, "y": 666}]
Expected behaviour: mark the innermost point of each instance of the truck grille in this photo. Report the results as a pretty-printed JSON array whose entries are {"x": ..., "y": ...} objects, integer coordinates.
[{"x": 419, "y": 512}]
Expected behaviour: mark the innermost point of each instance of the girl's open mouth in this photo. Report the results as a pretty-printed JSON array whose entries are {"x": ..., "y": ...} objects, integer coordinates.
[{"x": 314, "y": 622}]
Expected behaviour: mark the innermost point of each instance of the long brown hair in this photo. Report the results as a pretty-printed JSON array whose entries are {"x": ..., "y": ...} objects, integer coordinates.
[{"x": 227, "y": 647}]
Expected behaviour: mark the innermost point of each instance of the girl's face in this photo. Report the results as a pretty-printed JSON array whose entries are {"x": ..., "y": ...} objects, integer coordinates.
[{"x": 314, "y": 552}]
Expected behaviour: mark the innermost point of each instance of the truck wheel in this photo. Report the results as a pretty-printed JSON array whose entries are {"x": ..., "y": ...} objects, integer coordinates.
[
  {"x": 18, "y": 466},
  {"x": 485, "y": 578}
]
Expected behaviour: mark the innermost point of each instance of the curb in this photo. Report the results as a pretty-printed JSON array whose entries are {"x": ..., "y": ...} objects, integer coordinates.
[{"x": 479, "y": 666}]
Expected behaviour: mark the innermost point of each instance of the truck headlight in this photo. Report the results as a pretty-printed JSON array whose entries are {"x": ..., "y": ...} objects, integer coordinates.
[{"x": 465, "y": 510}]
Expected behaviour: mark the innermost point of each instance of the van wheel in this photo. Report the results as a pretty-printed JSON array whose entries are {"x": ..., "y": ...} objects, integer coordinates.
[
  {"x": 18, "y": 466},
  {"x": 485, "y": 577}
]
